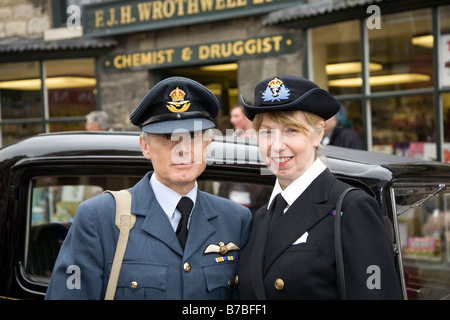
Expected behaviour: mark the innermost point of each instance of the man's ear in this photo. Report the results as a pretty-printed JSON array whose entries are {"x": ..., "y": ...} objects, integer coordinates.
[{"x": 144, "y": 147}]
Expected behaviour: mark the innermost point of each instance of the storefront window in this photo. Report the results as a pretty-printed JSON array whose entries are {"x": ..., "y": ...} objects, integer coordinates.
[
  {"x": 350, "y": 116},
  {"x": 71, "y": 89},
  {"x": 19, "y": 90},
  {"x": 14, "y": 132},
  {"x": 424, "y": 228},
  {"x": 404, "y": 126},
  {"x": 336, "y": 57},
  {"x": 446, "y": 125},
  {"x": 444, "y": 46},
  {"x": 402, "y": 50}
]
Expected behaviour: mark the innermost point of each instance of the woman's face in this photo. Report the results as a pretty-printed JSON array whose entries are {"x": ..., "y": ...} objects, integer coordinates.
[{"x": 286, "y": 150}]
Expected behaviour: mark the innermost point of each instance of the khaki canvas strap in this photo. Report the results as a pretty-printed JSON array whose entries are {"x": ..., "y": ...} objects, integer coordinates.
[{"x": 125, "y": 221}]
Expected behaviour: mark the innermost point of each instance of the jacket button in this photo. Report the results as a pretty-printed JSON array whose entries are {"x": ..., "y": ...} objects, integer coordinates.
[
  {"x": 279, "y": 284},
  {"x": 187, "y": 267},
  {"x": 236, "y": 280},
  {"x": 133, "y": 284}
]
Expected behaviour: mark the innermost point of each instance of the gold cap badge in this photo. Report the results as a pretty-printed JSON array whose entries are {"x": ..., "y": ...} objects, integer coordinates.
[{"x": 178, "y": 104}]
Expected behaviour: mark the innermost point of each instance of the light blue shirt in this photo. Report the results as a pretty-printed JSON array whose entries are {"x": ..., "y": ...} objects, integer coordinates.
[{"x": 168, "y": 200}]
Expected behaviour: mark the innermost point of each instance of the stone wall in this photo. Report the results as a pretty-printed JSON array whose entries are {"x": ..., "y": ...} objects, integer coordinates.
[{"x": 24, "y": 18}]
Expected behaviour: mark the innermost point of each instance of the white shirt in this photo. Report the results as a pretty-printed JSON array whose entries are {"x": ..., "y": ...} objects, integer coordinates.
[
  {"x": 296, "y": 187},
  {"x": 168, "y": 200}
]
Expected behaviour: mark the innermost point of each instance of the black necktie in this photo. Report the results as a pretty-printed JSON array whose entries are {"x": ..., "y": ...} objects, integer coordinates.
[
  {"x": 184, "y": 206},
  {"x": 275, "y": 213},
  {"x": 276, "y": 209}
]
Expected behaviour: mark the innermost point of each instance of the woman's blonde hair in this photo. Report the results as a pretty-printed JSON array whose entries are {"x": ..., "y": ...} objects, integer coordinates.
[{"x": 289, "y": 119}]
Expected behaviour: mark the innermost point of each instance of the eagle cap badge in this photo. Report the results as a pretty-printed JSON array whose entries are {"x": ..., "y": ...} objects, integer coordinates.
[
  {"x": 221, "y": 248},
  {"x": 276, "y": 90},
  {"x": 178, "y": 104}
]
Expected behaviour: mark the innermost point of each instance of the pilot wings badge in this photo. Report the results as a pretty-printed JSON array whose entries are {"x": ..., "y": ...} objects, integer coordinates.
[
  {"x": 222, "y": 248},
  {"x": 178, "y": 104},
  {"x": 276, "y": 90}
]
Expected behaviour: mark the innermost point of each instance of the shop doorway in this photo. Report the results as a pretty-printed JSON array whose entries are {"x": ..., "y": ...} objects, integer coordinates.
[{"x": 221, "y": 79}]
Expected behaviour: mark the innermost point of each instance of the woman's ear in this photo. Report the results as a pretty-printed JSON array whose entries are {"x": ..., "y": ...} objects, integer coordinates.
[{"x": 320, "y": 131}]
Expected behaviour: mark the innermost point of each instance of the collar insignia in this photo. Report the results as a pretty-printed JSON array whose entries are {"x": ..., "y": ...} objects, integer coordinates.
[
  {"x": 222, "y": 248},
  {"x": 178, "y": 104},
  {"x": 275, "y": 90}
]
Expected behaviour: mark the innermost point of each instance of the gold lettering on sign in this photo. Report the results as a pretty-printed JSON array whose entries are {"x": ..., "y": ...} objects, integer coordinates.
[
  {"x": 163, "y": 9},
  {"x": 142, "y": 59},
  {"x": 240, "y": 47}
]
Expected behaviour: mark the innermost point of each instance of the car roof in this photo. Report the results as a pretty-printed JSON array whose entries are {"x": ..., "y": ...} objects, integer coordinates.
[{"x": 224, "y": 150}]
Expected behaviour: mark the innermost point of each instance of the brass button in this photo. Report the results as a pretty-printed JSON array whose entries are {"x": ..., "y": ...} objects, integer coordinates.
[
  {"x": 236, "y": 280},
  {"x": 133, "y": 284},
  {"x": 230, "y": 283},
  {"x": 279, "y": 284},
  {"x": 187, "y": 267}
]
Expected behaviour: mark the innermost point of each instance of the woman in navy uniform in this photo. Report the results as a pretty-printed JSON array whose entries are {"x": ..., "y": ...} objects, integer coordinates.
[
  {"x": 290, "y": 253},
  {"x": 160, "y": 261}
]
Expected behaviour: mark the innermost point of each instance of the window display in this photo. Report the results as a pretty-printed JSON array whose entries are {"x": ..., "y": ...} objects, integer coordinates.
[
  {"x": 70, "y": 86},
  {"x": 424, "y": 223}
]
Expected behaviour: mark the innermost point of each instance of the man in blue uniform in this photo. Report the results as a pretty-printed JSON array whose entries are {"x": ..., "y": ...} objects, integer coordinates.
[{"x": 161, "y": 261}]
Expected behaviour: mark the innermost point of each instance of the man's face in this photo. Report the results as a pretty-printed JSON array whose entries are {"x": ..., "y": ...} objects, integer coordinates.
[
  {"x": 239, "y": 120},
  {"x": 178, "y": 159},
  {"x": 91, "y": 126}
]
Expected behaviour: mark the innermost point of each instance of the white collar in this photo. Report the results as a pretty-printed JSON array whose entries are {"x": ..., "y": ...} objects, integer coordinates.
[
  {"x": 168, "y": 198},
  {"x": 296, "y": 187}
]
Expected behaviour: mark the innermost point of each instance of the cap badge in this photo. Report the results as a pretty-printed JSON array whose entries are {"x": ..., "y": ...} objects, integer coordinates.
[
  {"x": 275, "y": 90},
  {"x": 178, "y": 104},
  {"x": 222, "y": 248}
]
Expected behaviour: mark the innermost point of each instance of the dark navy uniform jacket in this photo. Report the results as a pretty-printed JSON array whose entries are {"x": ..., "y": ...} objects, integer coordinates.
[
  {"x": 280, "y": 269},
  {"x": 154, "y": 265}
]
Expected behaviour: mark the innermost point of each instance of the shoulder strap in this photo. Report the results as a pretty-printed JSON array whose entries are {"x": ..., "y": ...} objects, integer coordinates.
[
  {"x": 340, "y": 277},
  {"x": 125, "y": 221}
]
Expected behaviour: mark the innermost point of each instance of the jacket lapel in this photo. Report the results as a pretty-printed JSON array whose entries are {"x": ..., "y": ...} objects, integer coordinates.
[
  {"x": 155, "y": 222},
  {"x": 311, "y": 207},
  {"x": 200, "y": 227},
  {"x": 258, "y": 242}
]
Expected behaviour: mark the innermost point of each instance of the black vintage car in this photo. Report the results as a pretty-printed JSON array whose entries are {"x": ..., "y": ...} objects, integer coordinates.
[{"x": 44, "y": 178}]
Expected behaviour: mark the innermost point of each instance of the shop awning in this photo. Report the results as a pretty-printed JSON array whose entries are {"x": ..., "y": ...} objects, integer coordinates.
[
  {"x": 40, "y": 45},
  {"x": 314, "y": 9}
]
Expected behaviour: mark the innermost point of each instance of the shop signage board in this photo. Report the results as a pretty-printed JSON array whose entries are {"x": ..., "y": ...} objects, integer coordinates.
[
  {"x": 119, "y": 17},
  {"x": 208, "y": 53}
]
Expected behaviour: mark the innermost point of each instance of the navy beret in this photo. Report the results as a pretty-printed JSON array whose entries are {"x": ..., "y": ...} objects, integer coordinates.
[
  {"x": 176, "y": 103},
  {"x": 290, "y": 93}
]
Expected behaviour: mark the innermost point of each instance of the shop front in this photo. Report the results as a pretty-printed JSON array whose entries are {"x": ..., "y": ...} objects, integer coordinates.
[
  {"x": 221, "y": 44},
  {"x": 382, "y": 64},
  {"x": 389, "y": 67},
  {"x": 386, "y": 61}
]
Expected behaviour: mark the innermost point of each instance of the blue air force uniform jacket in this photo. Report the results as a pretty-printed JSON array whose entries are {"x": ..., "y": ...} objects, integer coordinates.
[{"x": 154, "y": 265}]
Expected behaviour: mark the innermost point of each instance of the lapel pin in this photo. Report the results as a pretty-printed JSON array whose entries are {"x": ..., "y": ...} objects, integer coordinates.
[{"x": 221, "y": 248}]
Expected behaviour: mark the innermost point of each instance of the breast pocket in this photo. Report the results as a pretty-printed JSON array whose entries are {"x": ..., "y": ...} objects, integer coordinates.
[
  {"x": 306, "y": 246},
  {"x": 219, "y": 279},
  {"x": 138, "y": 281}
]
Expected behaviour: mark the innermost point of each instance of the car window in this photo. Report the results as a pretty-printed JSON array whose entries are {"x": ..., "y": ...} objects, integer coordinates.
[
  {"x": 424, "y": 229},
  {"x": 54, "y": 201}
]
